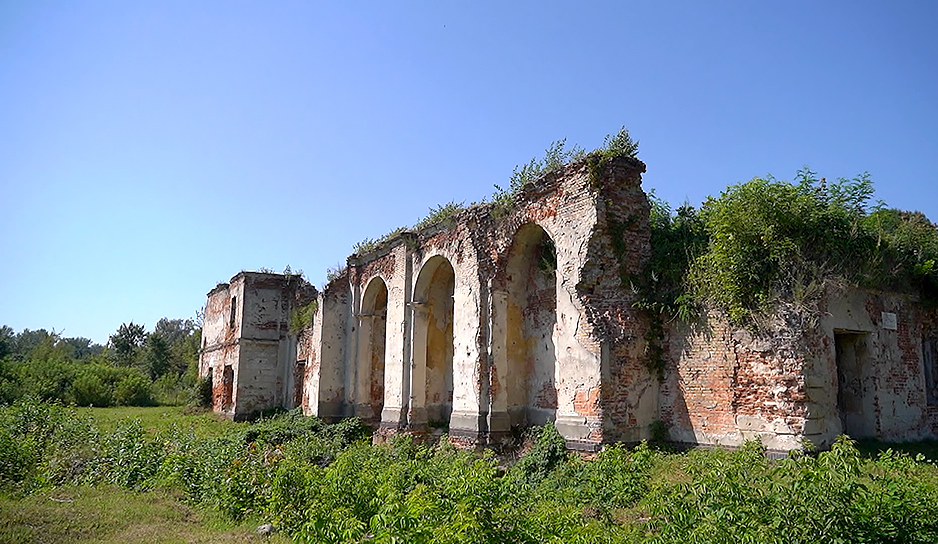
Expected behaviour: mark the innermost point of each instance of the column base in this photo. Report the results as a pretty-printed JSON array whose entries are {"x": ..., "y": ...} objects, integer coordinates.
[
  {"x": 417, "y": 419},
  {"x": 468, "y": 428},
  {"x": 393, "y": 418},
  {"x": 580, "y": 433}
]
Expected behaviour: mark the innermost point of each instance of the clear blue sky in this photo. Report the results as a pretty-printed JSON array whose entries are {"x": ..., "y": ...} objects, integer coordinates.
[{"x": 150, "y": 149}]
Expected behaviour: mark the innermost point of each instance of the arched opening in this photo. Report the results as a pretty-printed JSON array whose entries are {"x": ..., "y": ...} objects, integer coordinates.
[
  {"x": 529, "y": 314},
  {"x": 372, "y": 340},
  {"x": 432, "y": 379}
]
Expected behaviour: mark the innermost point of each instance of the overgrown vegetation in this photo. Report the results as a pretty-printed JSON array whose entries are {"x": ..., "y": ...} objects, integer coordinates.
[
  {"x": 503, "y": 200},
  {"x": 335, "y": 272},
  {"x": 302, "y": 316},
  {"x": 620, "y": 144},
  {"x": 136, "y": 368},
  {"x": 441, "y": 214},
  {"x": 768, "y": 242},
  {"x": 326, "y": 483},
  {"x": 555, "y": 157},
  {"x": 370, "y": 244}
]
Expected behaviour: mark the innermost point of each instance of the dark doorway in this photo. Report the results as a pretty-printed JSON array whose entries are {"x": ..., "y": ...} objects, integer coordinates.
[
  {"x": 930, "y": 360},
  {"x": 227, "y": 381},
  {"x": 299, "y": 379},
  {"x": 855, "y": 400}
]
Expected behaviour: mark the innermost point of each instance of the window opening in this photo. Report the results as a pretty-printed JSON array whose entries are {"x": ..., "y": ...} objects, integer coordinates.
[{"x": 930, "y": 360}]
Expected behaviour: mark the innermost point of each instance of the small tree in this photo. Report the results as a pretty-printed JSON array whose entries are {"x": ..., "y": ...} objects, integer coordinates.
[
  {"x": 125, "y": 344},
  {"x": 158, "y": 357}
]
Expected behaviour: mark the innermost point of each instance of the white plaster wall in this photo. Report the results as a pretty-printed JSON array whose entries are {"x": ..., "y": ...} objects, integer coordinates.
[
  {"x": 466, "y": 328},
  {"x": 259, "y": 385},
  {"x": 313, "y": 379},
  {"x": 578, "y": 368},
  {"x": 895, "y": 382},
  {"x": 332, "y": 360}
]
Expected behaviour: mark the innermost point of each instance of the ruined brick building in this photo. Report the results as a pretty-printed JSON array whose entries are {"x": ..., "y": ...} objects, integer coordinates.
[{"x": 503, "y": 317}]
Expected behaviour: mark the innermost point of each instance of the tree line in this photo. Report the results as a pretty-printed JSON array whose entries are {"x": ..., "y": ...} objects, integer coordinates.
[{"x": 135, "y": 368}]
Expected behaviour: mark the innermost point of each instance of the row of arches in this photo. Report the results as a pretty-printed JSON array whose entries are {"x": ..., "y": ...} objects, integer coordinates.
[{"x": 524, "y": 307}]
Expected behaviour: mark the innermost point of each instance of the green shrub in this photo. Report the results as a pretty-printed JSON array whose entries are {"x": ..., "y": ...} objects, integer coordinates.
[
  {"x": 769, "y": 241},
  {"x": 133, "y": 390},
  {"x": 42, "y": 444},
  {"x": 324, "y": 483},
  {"x": 88, "y": 389},
  {"x": 302, "y": 316},
  {"x": 549, "y": 450},
  {"x": 17, "y": 459},
  {"x": 129, "y": 458},
  {"x": 203, "y": 391}
]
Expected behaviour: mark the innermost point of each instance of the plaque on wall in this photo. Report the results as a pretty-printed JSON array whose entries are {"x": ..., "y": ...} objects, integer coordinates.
[{"x": 889, "y": 321}]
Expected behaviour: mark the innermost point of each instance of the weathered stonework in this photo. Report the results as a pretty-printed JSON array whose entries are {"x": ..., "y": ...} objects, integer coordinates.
[
  {"x": 849, "y": 373},
  {"x": 500, "y": 318},
  {"x": 247, "y": 348}
]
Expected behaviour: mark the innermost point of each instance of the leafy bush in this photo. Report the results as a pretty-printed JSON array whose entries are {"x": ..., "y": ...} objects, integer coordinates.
[
  {"x": 549, "y": 450},
  {"x": 768, "y": 241},
  {"x": 323, "y": 483},
  {"x": 203, "y": 391},
  {"x": 767, "y": 237},
  {"x": 302, "y": 316},
  {"x": 133, "y": 390},
  {"x": 175, "y": 390},
  {"x": 42, "y": 444},
  {"x": 833, "y": 497},
  {"x": 88, "y": 389}
]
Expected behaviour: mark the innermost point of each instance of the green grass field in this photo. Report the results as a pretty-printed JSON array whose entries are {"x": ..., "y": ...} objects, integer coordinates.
[
  {"x": 167, "y": 474},
  {"x": 109, "y": 514},
  {"x": 203, "y": 423}
]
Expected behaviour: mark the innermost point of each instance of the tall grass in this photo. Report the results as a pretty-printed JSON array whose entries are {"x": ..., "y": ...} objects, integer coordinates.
[{"x": 327, "y": 483}]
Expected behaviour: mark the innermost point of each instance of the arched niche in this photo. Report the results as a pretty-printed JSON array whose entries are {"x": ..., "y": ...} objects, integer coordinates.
[
  {"x": 432, "y": 378},
  {"x": 369, "y": 384},
  {"x": 524, "y": 318}
]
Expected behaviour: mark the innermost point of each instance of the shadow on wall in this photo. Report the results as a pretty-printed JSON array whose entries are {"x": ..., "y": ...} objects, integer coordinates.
[
  {"x": 531, "y": 319},
  {"x": 698, "y": 380},
  {"x": 369, "y": 379},
  {"x": 433, "y": 342}
]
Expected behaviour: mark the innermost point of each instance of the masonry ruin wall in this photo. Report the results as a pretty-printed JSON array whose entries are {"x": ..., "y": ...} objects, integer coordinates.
[{"x": 502, "y": 317}]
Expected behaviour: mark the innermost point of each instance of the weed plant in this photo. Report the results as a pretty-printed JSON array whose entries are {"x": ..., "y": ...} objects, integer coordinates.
[{"x": 327, "y": 483}]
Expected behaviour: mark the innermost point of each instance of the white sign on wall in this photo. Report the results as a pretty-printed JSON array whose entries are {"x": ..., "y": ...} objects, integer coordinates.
[{"x": 890, "y": 323}]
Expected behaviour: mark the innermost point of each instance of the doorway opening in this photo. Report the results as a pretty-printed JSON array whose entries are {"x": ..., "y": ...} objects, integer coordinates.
[{"x": 855, "y": 401}]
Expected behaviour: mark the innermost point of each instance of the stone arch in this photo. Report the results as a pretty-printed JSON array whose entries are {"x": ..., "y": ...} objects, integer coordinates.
[
  {"x": 432, "y": 378},
  {"x": 372, "y": 334},
  {"x": 524, "y": 308}
]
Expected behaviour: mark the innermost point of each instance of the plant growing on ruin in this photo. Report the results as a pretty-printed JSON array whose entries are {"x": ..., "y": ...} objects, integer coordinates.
[
  {"x": 768, "y": 241},
  {"x": 765, "y": 234},
  {"x": 335, "y": 272},
  {"x": 440, "y": 213},
  {"x": 547, "y": 256},
  {"x": 555, "y": 157},
  {"x": 302, "y": 316},
  {"x": 370, "y": 244},
  {"x": 619, "y": 145}
]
